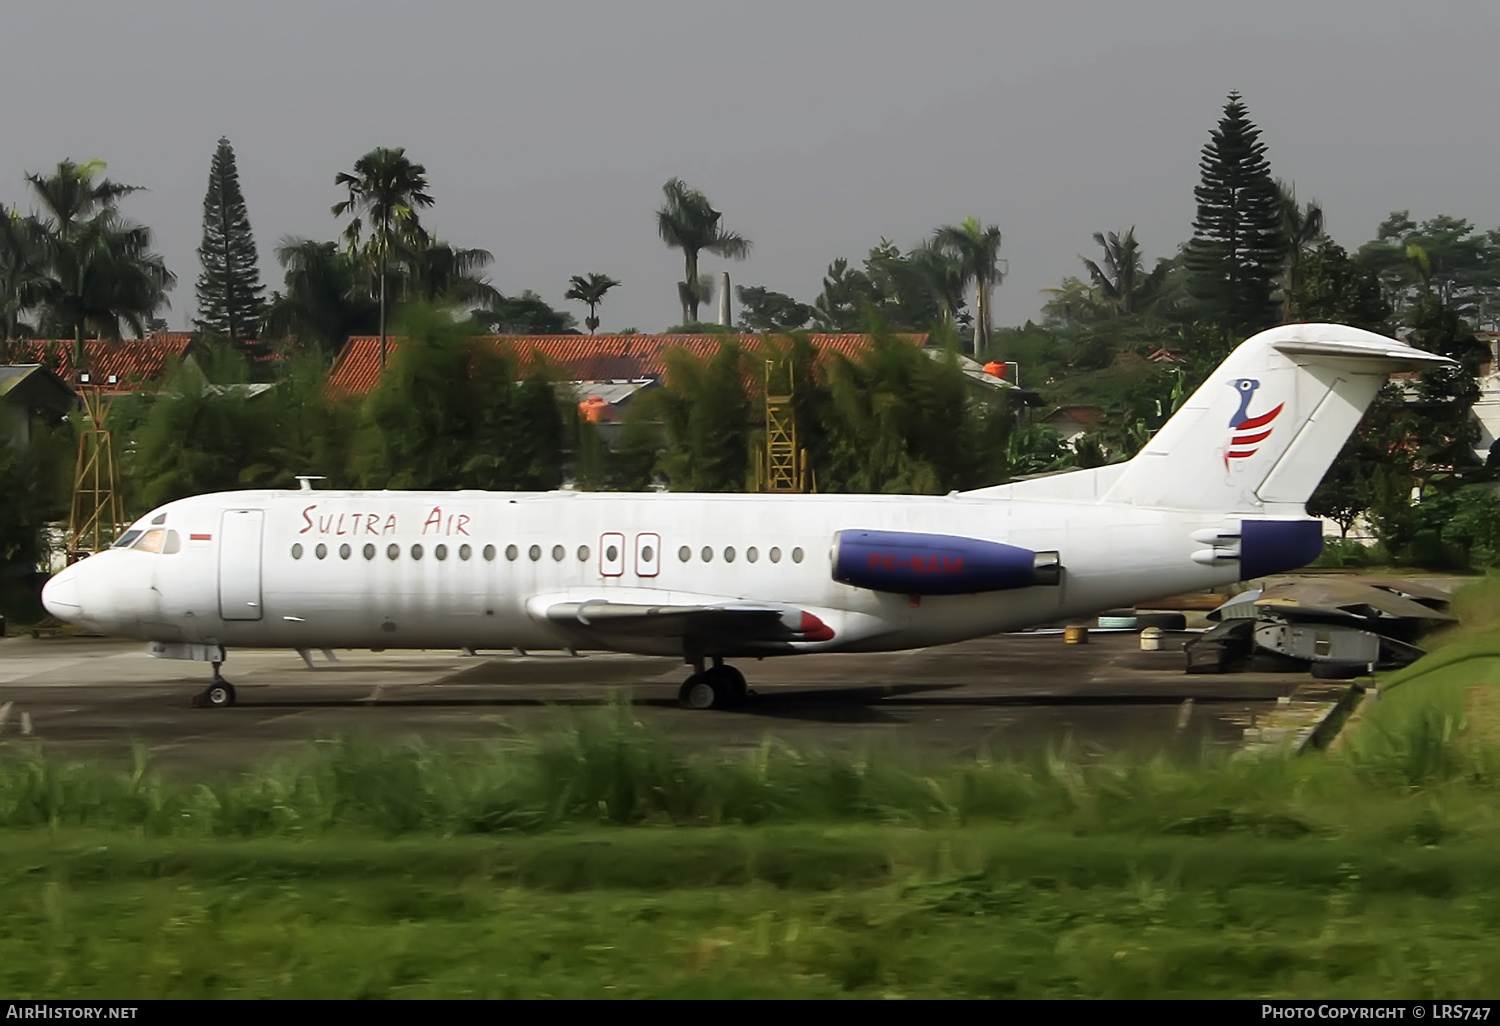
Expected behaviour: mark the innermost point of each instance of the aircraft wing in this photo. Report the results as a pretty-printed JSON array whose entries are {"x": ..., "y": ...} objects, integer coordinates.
[
  {"x": 741, "y": 621},
  {"x": 667, "y": 624}
]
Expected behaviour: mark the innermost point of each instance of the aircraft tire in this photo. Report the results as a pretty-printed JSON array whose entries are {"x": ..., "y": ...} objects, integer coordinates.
[
  {"x": 219, "y": 696},
  {"x": 701, "y": 691}
]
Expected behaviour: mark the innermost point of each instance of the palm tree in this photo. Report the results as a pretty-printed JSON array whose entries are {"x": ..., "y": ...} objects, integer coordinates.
[
  {"x": 23, "y": 267},
  {"x": 1121, "y": 282},
  {"x": 978, "y": 251},
  {"x": 687, "y": 222},
  {"x": 1303, "y": 228},
  {"x": 439, "y": 273},
  {"x": 104, "y": 275},
  {"x": 326, "y": 298},
  {"x": 1071, "y": 303},
  {"x": 387, "y": 188},
  {"x": 591, "y": 291},
  {"x": 100, "y": 266}
]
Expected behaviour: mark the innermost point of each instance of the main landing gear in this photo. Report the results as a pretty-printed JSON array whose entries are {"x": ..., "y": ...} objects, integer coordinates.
[
  {"x": 718, "y": 687},
  {"x": 219, "y": 694}
]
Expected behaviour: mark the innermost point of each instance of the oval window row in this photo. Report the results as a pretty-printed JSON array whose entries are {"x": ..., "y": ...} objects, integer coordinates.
[
  {"x": 752, "y": 554},
  {"x": 559, "y": 553}
]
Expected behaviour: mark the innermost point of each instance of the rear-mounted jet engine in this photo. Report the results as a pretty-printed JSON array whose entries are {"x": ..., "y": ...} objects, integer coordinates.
[{"x": 937, "y": 564}]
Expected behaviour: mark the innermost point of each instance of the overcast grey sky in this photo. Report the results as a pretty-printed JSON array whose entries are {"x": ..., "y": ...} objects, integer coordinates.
[{"x": 818, "y": 126}]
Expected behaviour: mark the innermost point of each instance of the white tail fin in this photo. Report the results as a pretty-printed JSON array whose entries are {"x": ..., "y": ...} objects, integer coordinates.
[{"x": 1267, "y": 424}]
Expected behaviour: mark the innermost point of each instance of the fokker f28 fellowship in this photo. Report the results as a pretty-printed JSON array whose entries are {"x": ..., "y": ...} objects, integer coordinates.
[{"x": 1218, "y": 495}]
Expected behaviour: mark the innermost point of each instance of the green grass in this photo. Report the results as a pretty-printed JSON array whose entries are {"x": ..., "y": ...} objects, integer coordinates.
[
  {"x": 735, "y": 912},
  {"x": 606, "y": 860}
]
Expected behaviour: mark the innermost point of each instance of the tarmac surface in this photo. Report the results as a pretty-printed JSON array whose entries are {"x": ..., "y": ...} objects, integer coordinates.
[{"x": 1016, "y": 694}]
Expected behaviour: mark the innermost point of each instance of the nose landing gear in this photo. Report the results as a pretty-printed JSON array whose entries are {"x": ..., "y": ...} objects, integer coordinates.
[{"x": 218, "y": 695}]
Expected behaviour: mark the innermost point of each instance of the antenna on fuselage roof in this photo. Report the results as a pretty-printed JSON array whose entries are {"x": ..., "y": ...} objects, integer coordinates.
[{"x": 307, "y": 480}]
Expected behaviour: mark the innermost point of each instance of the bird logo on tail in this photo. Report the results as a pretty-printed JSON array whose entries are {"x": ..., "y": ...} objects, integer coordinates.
[{"x": 1247, "y": 432}]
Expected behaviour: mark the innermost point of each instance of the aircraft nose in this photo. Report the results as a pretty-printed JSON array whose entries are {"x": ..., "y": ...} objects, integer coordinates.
[{"x": 61, "y": 597}]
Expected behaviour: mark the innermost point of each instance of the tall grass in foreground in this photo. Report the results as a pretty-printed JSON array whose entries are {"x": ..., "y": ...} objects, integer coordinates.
[{"x": 607, "y": 768}]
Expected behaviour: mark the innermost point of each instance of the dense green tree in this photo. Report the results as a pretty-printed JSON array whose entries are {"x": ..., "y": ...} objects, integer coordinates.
[
  {"x": 34, "y": 480},
  {"x": 526, "y": 314},
  {"x": 450, "y": 413},
  {"x": 327, "y": 296},
  {"x": 230, "y": 294},
  {"x": 1070, "y": 304},
  {"x": 688, "y": 222},
  {"x": 438, "y": 273},
  {"x": 1122, "y": 285},
  {"x": 23, "y": 269},
  {"x": 764, "y": 310},
  {"x": 1443, "y": 254},
  {"x": 705, "y": 416},
  {"x": 977, "y": 249},
  {"x": 1302, "y": 226},
  {"x": 1238, "y": 247},
  {"x": 847, "y": 298},
  {"x": 387, "y": 188},
  {"x": 204, "y": 433},
  {"x": 897, "y": 420},
  {"x": 590, "y": 291},
  {"x": 1334, "y": 289}
]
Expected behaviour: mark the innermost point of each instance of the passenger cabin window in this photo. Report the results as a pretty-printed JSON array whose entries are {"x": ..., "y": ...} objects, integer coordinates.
[
  {"x": 369, "y": 551},
  {"x": 297, "y": 551},
  {"x": 344, "y": 551},
  {"x": 796, "y": 555},
  {"x": 775, "y": 554},
  {"x": 464, "y": 552},
  {"x": 684, "y": 553},
  {"x": 440, "y": 552},
  {"x": 321, "y": 551}
]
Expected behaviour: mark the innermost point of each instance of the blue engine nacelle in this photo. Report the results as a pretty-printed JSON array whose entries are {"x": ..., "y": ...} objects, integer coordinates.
[{"x": 937, "y": 564}]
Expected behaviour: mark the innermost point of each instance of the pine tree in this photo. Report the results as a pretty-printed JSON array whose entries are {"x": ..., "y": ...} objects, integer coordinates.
[
  {"x": 230, "y": 294},
  {"x": 1238, "y": 246}
]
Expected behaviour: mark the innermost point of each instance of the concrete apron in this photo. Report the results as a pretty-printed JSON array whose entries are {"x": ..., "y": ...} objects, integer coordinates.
[{"x": 1313, "y": 717}]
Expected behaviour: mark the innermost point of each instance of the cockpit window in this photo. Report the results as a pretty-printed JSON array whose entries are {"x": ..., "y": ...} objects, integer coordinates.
[
  {"x": 159, "y": 540},
  {"x": 127, "y": 538},
  {"x": 151, "y": 541}
]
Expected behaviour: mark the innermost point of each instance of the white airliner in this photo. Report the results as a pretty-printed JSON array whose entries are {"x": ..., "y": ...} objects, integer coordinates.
[{"x": 1217, "y": 495}]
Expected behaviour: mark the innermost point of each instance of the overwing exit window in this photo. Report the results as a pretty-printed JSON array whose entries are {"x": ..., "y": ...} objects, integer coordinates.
[
  {"x": 647, "y": 554},
  {"x": 612, "y": 555}
]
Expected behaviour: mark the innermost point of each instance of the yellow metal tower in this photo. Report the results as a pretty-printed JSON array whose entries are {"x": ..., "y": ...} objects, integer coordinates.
[
  {"x": 784, "y": 465},
  {"x": 97, "y": 516}
]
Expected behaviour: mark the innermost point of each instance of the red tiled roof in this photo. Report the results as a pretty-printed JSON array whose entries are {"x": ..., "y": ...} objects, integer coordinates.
[
  {"x": 582, "y": 357},
  {"x": 134, "y": 361}
]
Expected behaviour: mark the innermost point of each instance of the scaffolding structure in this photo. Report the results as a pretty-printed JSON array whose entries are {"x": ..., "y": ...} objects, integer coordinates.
[
  {"x": 97, "y": 516},
  {"x": 783, "y": 465}
]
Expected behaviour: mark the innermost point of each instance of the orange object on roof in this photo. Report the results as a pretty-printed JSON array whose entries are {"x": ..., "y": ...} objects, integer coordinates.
[
  {"x": 994, "y": 369},
  {"x": 593, "y": 408}
]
